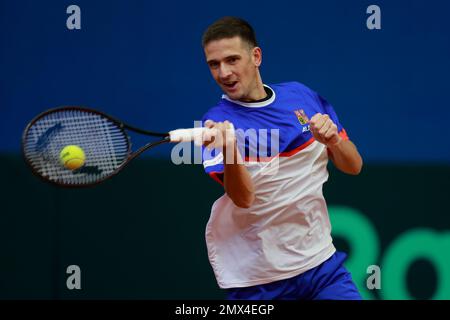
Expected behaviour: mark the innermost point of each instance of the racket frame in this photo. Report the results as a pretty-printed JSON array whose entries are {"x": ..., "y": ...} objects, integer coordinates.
[{"x": 122, "y": 127}]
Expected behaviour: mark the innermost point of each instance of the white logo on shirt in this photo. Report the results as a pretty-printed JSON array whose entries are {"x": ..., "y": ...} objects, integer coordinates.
[{"x": 305, "y": 129}]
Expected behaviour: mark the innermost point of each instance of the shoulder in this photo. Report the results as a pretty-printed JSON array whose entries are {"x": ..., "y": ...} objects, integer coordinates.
[
  {"x": 293, "y": 87},
  {"x": 219, "y": 112}
]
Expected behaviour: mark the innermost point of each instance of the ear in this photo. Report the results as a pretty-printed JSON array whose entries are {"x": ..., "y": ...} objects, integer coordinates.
[{"x": 257, "y": 56}]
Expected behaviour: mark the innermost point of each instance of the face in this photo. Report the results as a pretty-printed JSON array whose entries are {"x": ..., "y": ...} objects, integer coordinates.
[{"x": 234, "y": 66}]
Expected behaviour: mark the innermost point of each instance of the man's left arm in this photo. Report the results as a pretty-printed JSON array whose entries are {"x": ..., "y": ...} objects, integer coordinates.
[{"x": 342, "y": 152}]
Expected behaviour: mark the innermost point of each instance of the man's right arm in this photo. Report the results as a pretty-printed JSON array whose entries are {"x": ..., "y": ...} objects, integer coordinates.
[{"x": 236, "y": 179}]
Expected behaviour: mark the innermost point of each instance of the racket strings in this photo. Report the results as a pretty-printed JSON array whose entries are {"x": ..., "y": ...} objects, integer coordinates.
[{"x": 105, "y": 146}]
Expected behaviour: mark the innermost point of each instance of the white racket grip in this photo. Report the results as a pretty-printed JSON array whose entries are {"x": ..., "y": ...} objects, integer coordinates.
[
  {"x": 198, "y": 135},
  {"x": 186, "y": 135}
]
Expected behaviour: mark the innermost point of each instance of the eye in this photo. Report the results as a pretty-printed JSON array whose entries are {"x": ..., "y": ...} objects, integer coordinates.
[
  {"x": 213, "y": 65},
  {"x": 232, "y": 60}
]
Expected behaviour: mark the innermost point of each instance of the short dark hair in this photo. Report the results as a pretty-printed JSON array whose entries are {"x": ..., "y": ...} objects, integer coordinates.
[{"x": 230, "y": 27}]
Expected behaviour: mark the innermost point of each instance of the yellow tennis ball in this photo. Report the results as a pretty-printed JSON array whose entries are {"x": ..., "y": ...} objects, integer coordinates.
[{"x": 72, "y": 157}]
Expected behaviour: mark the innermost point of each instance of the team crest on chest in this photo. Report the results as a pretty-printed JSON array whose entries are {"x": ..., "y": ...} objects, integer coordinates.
[{"x": 301, "y": 116}]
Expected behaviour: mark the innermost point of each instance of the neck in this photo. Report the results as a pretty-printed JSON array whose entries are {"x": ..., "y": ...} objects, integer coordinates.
[{"x": 257, "y": 92}]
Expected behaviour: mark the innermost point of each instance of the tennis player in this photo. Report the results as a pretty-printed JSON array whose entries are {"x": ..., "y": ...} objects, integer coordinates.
[{"x": 269, "y": 235}]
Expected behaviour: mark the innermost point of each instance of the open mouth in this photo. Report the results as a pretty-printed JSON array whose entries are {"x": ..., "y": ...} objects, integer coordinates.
[{"x": 231, "y": 85}]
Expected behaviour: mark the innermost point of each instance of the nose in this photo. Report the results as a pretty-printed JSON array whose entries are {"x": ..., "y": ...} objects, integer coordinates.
[{"x": 224, "y": 71}]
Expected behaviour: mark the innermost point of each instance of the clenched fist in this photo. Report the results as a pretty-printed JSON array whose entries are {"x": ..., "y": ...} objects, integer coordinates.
[
  {"x": 324, "y": 130},
  {"x": 221, "y": 134}
]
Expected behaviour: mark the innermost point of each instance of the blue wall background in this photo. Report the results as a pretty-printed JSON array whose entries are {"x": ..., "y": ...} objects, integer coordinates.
[{"x": 142, "y": 62}]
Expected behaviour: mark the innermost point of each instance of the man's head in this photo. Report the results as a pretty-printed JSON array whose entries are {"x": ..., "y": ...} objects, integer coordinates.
[{"x": 233, "y": 58}]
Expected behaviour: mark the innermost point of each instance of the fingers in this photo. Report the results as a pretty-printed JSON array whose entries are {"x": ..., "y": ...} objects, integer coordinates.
[
  {"x": 317, "y": 121},
  {"x": 209, "y": 123},
  {"x": 331, "y": 131},
  {"x": 323, "y": 128},
  {"x": 209, "y": 135},
  {"x": 315, "y": 125},
  {"x": 218, "y": 134}
]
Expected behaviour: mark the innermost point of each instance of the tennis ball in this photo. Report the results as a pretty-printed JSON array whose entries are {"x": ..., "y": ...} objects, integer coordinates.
[{"x": 72, "y": 157}]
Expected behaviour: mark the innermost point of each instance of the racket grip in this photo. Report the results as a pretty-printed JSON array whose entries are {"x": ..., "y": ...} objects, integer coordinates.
[{"x": 185, "y": 135}]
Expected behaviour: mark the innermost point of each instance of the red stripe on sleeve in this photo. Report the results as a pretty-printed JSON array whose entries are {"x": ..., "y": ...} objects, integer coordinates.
[
  {"x": 217, "y": 176},
  {"x": 343, "y": 134}
]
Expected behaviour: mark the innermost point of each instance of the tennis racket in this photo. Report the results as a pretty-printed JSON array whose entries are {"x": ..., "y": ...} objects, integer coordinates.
[{"x": 104, "y": 140}]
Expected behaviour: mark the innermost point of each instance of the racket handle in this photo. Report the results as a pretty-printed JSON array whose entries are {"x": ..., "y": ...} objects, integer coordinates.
[{"x": 184, "y": 135}]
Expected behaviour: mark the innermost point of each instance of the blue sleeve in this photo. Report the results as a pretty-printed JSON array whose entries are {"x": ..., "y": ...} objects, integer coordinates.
[
  {"x": 325, "y": 107},
  {"x": 329, "y": 110}
]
